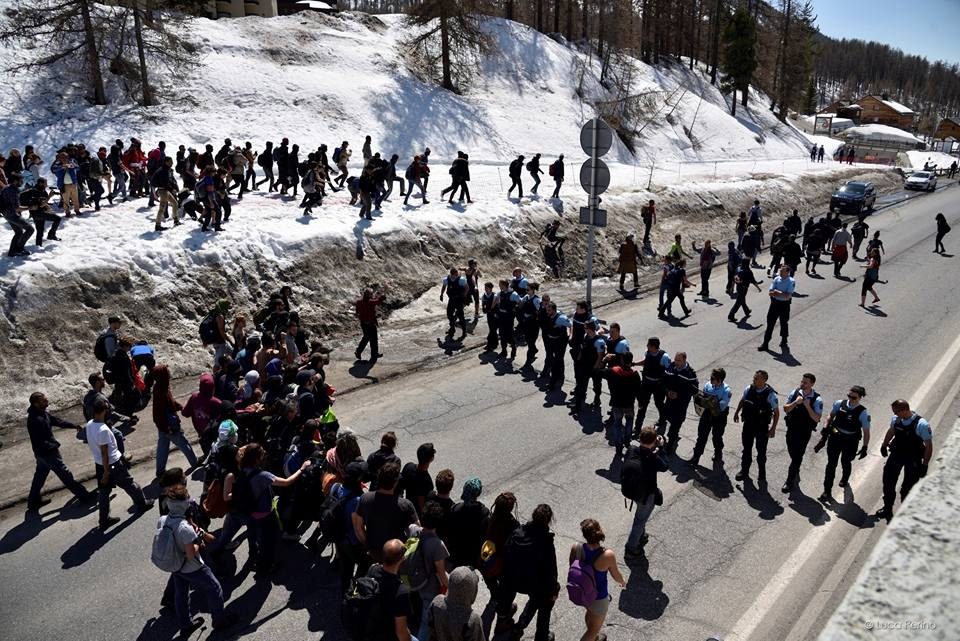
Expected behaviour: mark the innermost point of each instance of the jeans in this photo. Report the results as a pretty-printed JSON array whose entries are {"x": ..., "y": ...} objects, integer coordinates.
[
  {"x": 119, "y": 477},
  {"x": 540, "y": 605},
  {"x": 266, "y": 533},
  {"x": 231, "y": 525},
  {"x": 519, "y": 186},
  {"x": 556, "y": 192},
  {"x": 423, "y": 632},
  {"x": 163, "y": 449},
  {"x": 369, "y": 336},
  {"x": 120, "y": 184},
  {"x": 622, "y": 419},
  {"x": 640, "y": 517},
  {"x": 419, "y": 183},
  {"x": 47, "y": 463},
  {"x": 40, "y": 218},
  {"x": 201, "y": 580},
  {"x": 267, "y": 177},
  {"x": 536, "y": 182},
  {"x": 21, "y": 232}
]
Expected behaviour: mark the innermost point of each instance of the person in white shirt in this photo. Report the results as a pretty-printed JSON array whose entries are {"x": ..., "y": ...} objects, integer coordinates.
[{"x": 110, "y": 469}]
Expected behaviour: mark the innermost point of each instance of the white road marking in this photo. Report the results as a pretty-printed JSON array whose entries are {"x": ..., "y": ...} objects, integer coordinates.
[{"x": 772, "y": 592}]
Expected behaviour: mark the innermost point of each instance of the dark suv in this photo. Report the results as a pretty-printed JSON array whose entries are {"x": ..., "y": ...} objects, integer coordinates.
[{"x": 854, "y": 196}]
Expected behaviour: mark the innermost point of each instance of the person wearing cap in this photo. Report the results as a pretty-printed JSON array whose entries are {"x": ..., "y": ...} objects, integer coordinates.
[
  {"x": 467, "y": 525},
  {"x": 628, "y": 259}
]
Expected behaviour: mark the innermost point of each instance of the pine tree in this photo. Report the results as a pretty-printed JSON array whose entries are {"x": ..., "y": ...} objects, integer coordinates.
[
  {"x": 459, "y": 31},
  {"x": 739, "y": 55}
]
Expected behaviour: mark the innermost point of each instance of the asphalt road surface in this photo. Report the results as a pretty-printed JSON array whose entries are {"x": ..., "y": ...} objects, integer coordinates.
[{"x": 725, "y": 558}]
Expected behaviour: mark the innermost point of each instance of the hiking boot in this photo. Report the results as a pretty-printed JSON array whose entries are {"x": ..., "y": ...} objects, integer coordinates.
[
  {"x": 693, "y": 461},
  {"x": 109, "y": 521},
  {"x": 843, "y": 482},
  {"x": 826, "y": 497},
  {"x": 885, "y": 513},
  {"x": 146, "y": 507},
  {"x": 742, "y": 475},
  {"x": 195, "y": 624},
  {"x": 39, "y": 504}
]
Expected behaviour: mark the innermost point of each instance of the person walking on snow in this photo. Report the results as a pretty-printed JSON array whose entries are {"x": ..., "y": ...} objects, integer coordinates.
[
  {"x": 556, "y": 171},
  {"x": 516, "y": 168},
  {"x": 534, "y": 168}
]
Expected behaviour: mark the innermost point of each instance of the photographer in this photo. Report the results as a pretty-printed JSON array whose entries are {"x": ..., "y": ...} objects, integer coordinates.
[{"x": 638, "y": 482}]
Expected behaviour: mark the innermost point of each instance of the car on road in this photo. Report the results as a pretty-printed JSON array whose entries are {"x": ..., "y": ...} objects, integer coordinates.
[
  {"x": 854, "y": 196},
  {"x": 925, "y": 180}
]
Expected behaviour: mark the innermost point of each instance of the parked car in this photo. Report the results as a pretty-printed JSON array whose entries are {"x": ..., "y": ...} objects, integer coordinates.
[
  {"x": 926, "y": 180},
  {"x": 854, "y": 196}
]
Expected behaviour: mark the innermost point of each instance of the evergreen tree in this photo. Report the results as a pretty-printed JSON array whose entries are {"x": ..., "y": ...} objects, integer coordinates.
[
  {"x": 739, "y": 56},
  {"x": 459, "y": 32}
]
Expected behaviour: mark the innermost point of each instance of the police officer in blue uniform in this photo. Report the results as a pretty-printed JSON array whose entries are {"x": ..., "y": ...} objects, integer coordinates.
[
  {"x": 489, "y": 308},
  {"x": 781, "y": 293},
  {"x": 908, "y": 447},
  {"x": 714, "y": 417},
  {"x": 589, "y": 361},
  {"x": 455, "y": 287},
  {"x": 655, "y": 363},
  {"x": 680, "y": 382},
  {"x": 848, "y": 420},
  {"x": 555, "y": 338},
  {"x": 802, "y": 413},
  {"x": 760, "y": 410},
  {"x": 506, "y": 304},
  {"x": 529, "y": 317}
]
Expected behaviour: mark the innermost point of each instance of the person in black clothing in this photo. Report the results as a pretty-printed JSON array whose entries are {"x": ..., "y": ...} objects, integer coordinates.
[
  {"x": 638, "y": 482},
  {"x": 531, "y": 568},
  {"x": 394, "y": 608},
  {"x": 280, "y": 156},
  {"x": 680, "y": 382},
  {"x": 848, "y": 420},
  {"x": 415, "y": 477},
  {"x": 455, "y": 288},
  {"x": 556, "y": 170},
  {"x": 36, "y": 200},
  {"x": 792, "y": 254},
  {"x": 290, "y": 174},
  {"x": 743, "y": 279},
  {"x": 758, "y": 406},
  {"x": 516, "y": 170},
  {"x": 489, "y": 309},
  {"x": 126, "y": 398},
  {"x": 534, "y": 168},
  {"x": 460, "y": 173},
  {"x": 588, "y": 363},
  {"x": 46, "y": 450},
  {"x": 793, "y": 223},
  {"x": 164, "y": 182},
  {"x": 265, "y": 160},
  {"x": 943, "y": 228},
  {"x": 655, "y": 362},
  {"x": 802, "y": 414},
  {"x": 466, "y": 524},
  {"x": 224, "y": 152}
]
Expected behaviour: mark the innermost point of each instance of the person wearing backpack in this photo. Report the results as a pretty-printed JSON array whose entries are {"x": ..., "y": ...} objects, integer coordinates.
[
  {"x": 176, "y": 549},
  {"x": 415, "y": 173},
  {"x": 516, "y": 171},
  {"x": 556, "y": 172},
  {"x": 534, "y": 168},
  {"x": 432, "y": 553},
  {"x": 336, "y": 523},
  {"x": 213, "y": 332},
  {"x": 590, "y": 565},
  {"x": 108, "y": 340},
  {"x": 119, "y": 372},
  {"x": 530, "y": 567},
  {"x": 451, "y": 615},
  {"x": 265, "y": 160},
  {"x": 638, "y": 483},
  {"x": 341, "y": 156},
  {"x": 377, "y": 606}
]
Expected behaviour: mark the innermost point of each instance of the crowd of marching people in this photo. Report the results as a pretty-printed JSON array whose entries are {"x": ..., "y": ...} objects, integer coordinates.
[{"x": 205, "y": 185}]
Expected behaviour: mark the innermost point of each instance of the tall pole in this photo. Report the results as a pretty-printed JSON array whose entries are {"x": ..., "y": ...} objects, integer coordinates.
[{"x": 592, "y": 204}]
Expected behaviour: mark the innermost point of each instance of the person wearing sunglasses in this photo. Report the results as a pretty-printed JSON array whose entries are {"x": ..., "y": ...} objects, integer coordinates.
[{"x": 848, "y": 421}]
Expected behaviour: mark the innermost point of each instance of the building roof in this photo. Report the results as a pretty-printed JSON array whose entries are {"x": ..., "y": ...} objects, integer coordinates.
[
  {"x": 880, "y": 133},
  {"x": 896, "y": 106}
]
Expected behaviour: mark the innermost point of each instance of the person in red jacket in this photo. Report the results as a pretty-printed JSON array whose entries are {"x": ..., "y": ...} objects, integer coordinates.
[
  {"x": 366, "y": 310},
  {"x": 165, "y": 417}
]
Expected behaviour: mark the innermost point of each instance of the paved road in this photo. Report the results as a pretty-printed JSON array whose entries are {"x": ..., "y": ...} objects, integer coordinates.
[{"x": 725, "y": 558}]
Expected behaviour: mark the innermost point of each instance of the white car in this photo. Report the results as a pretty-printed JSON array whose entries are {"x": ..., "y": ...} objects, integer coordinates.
[{"x": 926, "y": 180}]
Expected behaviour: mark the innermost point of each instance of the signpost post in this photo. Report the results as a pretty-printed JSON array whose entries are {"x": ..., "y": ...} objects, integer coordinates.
[{"x": 596, "y": 138}]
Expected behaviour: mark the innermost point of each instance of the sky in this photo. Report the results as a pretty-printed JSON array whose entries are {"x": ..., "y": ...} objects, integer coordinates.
[{"x": 930, "y": 28}]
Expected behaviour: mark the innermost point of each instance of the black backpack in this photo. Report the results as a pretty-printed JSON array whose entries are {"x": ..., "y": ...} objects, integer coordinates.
[
  {"x": 632, "y": 485},
  {"x": 333, "y": 517},
  {"x": 208, "y": 330},
  {"x": 100, "y": 348},
  {"x": 520, "y": 561},
  {"x": 361, "y": 611}
]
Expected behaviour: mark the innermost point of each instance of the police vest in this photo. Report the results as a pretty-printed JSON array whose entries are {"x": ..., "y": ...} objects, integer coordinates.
[
  {"x": 487, "y": 301},
  {"x": 756, "y": 406},
  {"x": 847, "y": 420},
  {"x": 653, "y": 366},
  {"x": 588, "y": 351},
  {"x": 455, "y": 290},
  {"x": 799, "y": 416},
  {"x": 505, "y": 306},
  {"x": 612, "y": 344},
  {"x": 555, "y": 332},
  {"x": 528, "y": 308},
  {"x": 517, "y": 286},
  {"x": 905, "y": 437}
]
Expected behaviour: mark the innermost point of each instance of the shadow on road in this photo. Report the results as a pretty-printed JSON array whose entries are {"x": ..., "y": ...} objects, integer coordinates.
[
  {"x": 643, "y": 598},
  {"x": 767, "y": 507},
  {"x": 35, "y": 523},
  {"x": 87, "y": 545}
]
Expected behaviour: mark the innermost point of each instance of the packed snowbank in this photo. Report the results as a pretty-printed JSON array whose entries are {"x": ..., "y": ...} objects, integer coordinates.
[
  {"x": 919, "y": 158},
  {"x": 880, "y": 134}
]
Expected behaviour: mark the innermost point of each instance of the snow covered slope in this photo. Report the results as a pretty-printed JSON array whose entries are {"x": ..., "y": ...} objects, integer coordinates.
[{"x": 317, "y": 78}]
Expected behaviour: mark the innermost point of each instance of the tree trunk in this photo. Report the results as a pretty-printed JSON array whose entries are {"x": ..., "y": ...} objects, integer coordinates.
[
  {"x": 146, "y": 96},
  {"x": 645, "y": 32},
  {"x": 570, "y": 20},
  {"x": 715, "y": 49},
  {"x": 508, "y": 9},
  {"x": 657, "y": 15},
  {"x": 445, "y": 52},
  {"x": 556, "y": 16},
  {"x": 746, "y": 94},
  {"x": 540, "y": 16},
  {"x": 600, "y": 31},
  {"x": 733, "y": 104},
  {"x": 586, "y": 18},
  {"x": 93, "y": 55}
]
